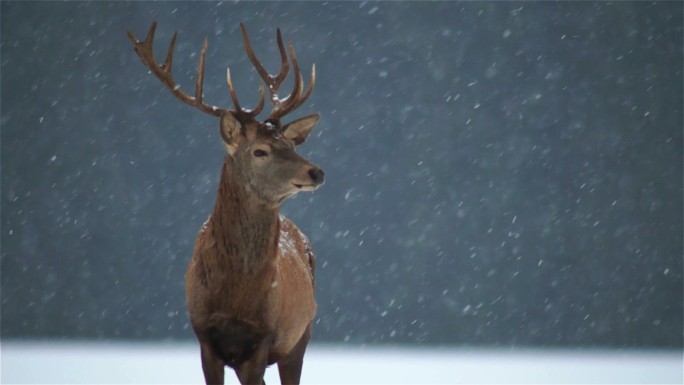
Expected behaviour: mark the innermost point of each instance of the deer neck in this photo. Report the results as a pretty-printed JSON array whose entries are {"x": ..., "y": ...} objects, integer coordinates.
[{"x": 245, "y": 229}]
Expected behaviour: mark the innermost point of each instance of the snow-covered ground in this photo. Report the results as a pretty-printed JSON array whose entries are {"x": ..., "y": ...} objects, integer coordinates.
[{"x": 178, "y": 363}]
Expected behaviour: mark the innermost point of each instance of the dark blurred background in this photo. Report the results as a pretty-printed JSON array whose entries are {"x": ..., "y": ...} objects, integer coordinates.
[{"x": 498, "y": 174}]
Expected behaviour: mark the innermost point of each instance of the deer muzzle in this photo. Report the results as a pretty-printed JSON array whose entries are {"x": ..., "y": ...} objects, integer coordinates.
[{"x": 316, "y": 178}]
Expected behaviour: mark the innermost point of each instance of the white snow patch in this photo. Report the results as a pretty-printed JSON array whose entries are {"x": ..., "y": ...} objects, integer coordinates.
[
  {"x": 286, "y": 244},
  {"x": 179, "y": 363}
]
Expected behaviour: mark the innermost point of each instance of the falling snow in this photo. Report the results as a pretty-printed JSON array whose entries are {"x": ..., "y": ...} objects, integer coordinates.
[{"x": 500, "y": 174}]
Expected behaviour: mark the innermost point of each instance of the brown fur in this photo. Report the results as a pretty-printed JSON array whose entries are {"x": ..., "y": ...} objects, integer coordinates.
[
  {"x": 249, "y": 284},
  {"x": 250, "y": 280}
]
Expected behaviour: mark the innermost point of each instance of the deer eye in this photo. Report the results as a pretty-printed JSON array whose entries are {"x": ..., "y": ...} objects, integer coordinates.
[{"x": 260, "y": 153}]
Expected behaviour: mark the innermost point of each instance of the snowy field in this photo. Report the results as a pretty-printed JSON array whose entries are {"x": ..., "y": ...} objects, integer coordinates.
[{"x": 178, "y": 363}]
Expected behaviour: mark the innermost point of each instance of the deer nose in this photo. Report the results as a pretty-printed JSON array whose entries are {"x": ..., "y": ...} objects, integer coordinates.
[{"x": 317, "y": 175}]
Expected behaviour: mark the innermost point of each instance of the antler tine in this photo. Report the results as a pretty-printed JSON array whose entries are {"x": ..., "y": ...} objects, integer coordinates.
[
  {"x": 163, "y": 72},
  {"x": 285, "y": 64},
  {"x": 296, "y": 98},
  {"x": 286, "y": 104},
  {"x": 252, "y": 56},
  {"x": 236, "y": 102},
  {"x": 200, "y": 73},
  {"x": 307, "y": 93},
  {"x": 168, "y": 62},
  {"x": 298, "y": 82},
  {"x": 273, "y": 82},
  {"x": 260, "y": 106},
  {"x": 231, "y": 89}
]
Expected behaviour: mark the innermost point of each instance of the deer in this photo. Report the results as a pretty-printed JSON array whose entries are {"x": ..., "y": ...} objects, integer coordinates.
[{"x": 249, "y": 285}]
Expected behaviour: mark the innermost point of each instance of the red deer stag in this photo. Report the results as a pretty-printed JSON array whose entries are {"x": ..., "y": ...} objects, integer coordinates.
[{"x": 249, "y": 284}]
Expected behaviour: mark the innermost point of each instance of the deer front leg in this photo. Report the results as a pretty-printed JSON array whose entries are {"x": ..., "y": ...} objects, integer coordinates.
[
  {"x": 290, "y": 367},
  {"x": 251, "y": 372},
  {"x": 212, "y": 366}
]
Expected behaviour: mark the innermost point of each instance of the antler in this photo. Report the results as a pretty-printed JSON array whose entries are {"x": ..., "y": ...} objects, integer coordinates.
[
  {"x": 296, "y": 98},
  {"x": 164, "y": 73}
]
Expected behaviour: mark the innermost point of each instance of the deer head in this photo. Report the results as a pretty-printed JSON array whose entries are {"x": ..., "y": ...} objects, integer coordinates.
[{"x": 262, "y": 153}]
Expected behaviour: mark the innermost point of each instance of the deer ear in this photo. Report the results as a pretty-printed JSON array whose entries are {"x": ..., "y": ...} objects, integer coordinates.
[
  {"x": 300, "y": 129},
  {"x": 230, "y": 132}
]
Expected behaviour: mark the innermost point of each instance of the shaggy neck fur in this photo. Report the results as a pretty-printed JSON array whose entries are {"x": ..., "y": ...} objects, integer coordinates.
[{"x": 245, "y": 229}]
